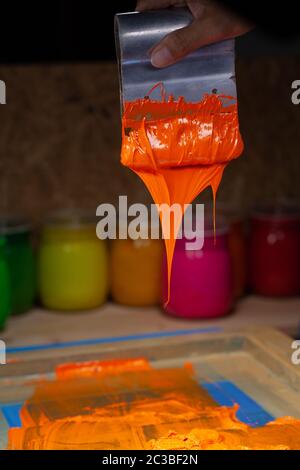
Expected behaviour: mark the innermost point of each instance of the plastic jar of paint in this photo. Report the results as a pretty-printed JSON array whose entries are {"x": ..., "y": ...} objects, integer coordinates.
[
  {"x": 237, "y": 243},
  {"x": 201, "y": 279},
  {"x": 274, "y": 259},
  {"x": 5, "y": 286},
  {"x": 72, "y": 264},
  {"x": 21, "y": 262},
  {"x": 136, "y": 271}
]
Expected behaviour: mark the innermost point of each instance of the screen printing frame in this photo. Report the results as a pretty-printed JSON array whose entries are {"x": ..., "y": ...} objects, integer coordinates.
[{"x": 254, "y": 366}]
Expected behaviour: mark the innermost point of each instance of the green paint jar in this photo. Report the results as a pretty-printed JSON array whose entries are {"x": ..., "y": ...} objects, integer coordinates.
[
  {"x": 21, "y": 263},
  {"x": 5, "y": 292}
]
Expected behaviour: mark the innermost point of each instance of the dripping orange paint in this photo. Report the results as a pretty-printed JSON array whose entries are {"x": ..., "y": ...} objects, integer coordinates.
[{"x": 179, "y": 149}]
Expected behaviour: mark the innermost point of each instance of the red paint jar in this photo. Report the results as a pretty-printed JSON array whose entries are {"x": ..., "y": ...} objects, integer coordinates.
[{"x": 274, "y": 260}]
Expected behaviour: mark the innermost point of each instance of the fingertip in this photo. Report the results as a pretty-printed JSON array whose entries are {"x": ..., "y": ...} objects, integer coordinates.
[{"x": 161, "y": 57}]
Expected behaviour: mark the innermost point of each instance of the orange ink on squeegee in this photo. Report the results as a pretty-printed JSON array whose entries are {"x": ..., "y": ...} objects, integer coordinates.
[{"x": 179, "y": 149}]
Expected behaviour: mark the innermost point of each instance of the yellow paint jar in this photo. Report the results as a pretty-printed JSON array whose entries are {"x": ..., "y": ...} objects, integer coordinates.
[
  {"x": 72, "y": 264},
  {"x": 136, "y": 272}
]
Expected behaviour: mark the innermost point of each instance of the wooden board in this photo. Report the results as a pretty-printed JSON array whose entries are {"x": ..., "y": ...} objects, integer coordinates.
[
  {"x": 251, "y": 367},
  {"x": 44, "y": 327}
]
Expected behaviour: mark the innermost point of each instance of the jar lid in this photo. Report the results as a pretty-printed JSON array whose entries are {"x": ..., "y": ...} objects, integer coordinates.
[
  {"x": 146, "y": 225},
  {"x": 11, "y": 225},
  {"x": 71, "y": 218},
  {"x": 231, "y": 213},
  {"x": 209, "y": 231},
  {"x": 277, "y": 213}
]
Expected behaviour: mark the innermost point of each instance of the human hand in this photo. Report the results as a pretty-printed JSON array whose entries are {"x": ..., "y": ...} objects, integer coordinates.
[{"x": 212, "y": 23}]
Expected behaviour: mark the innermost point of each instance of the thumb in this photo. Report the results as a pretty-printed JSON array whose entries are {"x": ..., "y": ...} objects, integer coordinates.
[
  {"x": 215, "y": 26},
  {"x": 178, "y": 44}
]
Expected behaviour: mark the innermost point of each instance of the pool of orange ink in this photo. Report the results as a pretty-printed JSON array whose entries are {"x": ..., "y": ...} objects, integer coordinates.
[{"x": 93, "y": 406}]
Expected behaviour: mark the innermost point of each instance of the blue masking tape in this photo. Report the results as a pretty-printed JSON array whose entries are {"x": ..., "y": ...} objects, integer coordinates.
[
  {"x": 113, "y": 339},
  {"x": 227, "y": 394},
  {"x": 11, "y": 413}
]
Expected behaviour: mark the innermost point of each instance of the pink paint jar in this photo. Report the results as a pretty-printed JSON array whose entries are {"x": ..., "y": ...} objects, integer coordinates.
[{"x": 202, "y": 280}]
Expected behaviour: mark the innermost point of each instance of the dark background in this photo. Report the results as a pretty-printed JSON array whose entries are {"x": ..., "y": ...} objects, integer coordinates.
[
  {"x": 60, "y": 130},
  {"x": 69, "y": 30}
]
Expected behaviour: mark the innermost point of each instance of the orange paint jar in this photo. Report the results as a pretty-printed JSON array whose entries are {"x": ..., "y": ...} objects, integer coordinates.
[{"x": 136, "y": 271}]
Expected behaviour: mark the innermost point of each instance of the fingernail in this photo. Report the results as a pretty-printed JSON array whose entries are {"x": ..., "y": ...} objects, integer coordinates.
[{"x": 161, "y": 57}]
